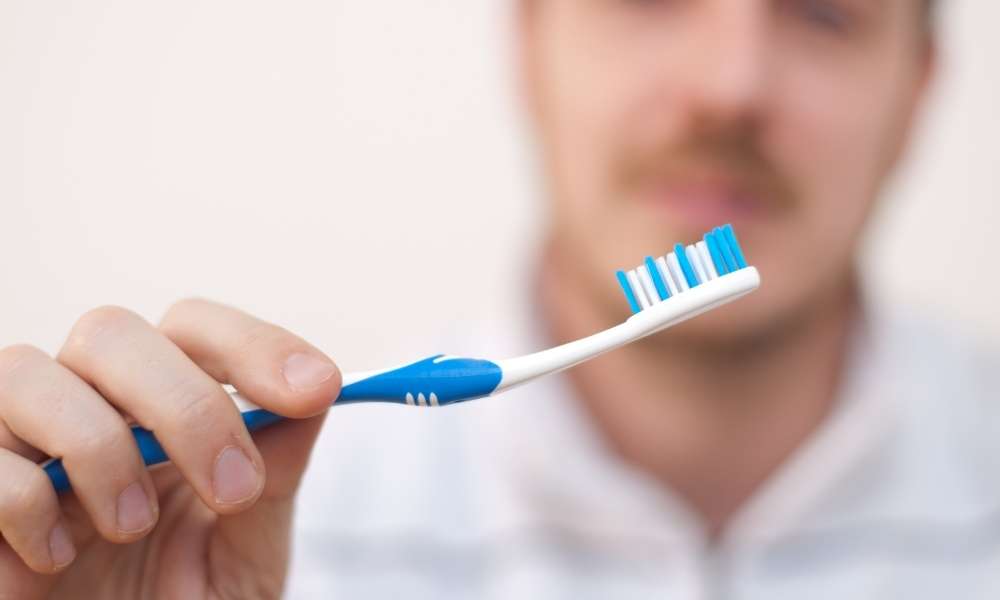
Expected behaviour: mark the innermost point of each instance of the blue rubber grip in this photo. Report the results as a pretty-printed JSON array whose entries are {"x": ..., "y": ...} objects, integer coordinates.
[{"x": 450, "y": 380}]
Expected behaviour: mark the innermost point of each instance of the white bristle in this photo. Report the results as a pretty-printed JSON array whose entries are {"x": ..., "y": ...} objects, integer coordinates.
[
  {"x": 706, "y": 260},
  {"x": 668, "y": 279},
  {"x": 677, "y": 272},
  {"x": 637, "y": 290},
  {"x": 647, "y": 284},
  {"x": 695, "y": 261}
]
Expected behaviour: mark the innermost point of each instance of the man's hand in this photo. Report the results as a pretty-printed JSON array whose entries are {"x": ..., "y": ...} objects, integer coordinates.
[{"x": 213, "y": 524}]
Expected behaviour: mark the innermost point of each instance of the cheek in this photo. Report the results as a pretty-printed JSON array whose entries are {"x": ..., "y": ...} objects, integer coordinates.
[
  {"x": 830, "y": 134},
  {"x": 585, "y": 112},
  {"x": 580, "y": 135},
  {"x": 833, "y": 136}
]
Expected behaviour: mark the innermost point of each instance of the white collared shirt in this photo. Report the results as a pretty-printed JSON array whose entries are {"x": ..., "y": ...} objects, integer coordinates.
[{"x": 896, "y": 495}]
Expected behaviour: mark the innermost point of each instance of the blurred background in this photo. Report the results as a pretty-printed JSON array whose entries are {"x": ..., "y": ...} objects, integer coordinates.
[{"x": 359, "y": 171}]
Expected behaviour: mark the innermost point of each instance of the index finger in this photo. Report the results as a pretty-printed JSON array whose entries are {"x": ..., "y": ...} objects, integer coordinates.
[{"x": 270, "y": 366}]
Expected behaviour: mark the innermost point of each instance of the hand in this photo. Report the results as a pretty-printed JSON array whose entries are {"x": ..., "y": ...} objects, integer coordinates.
[{"x": 215, "y": 523}]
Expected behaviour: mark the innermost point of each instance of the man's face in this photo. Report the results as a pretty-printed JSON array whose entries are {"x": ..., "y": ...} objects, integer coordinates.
[{"x": 659, "y": 119}]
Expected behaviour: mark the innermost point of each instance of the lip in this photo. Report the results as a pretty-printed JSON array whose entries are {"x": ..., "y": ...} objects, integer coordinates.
[{"x": 705, "y": 204}]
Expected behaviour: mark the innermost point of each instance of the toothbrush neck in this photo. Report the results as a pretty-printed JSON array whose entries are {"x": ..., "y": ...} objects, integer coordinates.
[{"x": 710, "y": 421}]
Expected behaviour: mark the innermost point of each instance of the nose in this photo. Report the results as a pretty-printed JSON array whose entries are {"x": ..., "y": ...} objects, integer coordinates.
[{"x": 728, "y": 80}]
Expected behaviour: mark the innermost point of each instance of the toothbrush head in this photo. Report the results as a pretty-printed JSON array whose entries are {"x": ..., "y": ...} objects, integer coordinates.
[{"x": 686, "y": 268}]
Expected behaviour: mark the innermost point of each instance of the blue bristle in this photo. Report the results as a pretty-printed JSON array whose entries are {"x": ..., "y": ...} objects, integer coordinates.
[
  {"x": 723, "y": 248},
  {"x": 713, "y": 249},
  {"x": 627, "y": 288},
  {"x": 727, "y": 254},
  {"x": 682, "y": 258},
  {"x": 734, "y": 245},
  {"x": 654, "y": 274}
]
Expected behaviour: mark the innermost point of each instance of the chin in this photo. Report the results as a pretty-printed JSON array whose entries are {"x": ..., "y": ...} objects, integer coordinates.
[
  {"x": 753, "y": 322},
  {"x": 733, "y": 326}
]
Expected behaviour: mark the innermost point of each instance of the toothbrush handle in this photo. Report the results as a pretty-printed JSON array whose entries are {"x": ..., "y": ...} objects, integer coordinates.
[
  {"x": 434, "y": 381},
  {"x": 151, "y": 450}
]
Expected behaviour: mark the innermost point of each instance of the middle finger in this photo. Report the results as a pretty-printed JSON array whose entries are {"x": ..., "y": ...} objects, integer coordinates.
[{"x": 139, "y": 370}]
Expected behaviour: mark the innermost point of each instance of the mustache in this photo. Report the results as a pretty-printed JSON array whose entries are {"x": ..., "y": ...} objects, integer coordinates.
[{"x": 734, "y": 158}]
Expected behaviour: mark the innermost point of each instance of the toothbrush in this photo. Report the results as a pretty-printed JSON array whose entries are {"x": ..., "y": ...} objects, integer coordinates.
[{"x": 661, "y": 292}]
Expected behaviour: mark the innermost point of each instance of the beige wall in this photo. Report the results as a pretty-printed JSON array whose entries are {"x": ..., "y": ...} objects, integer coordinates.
[
  {"x": 356, "y": 171},
  {"x": 935, "y": 242}
]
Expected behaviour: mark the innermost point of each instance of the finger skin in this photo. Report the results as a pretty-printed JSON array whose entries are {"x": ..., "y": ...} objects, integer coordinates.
[
  {"x": 251, "y": 354},
  {"x": 11, "y": 442},
  {"x": 139, "y": 370},
  {"x": 255, "y": 356},
  {"x": 49, "y": 407},
  {"x": 263, "y": 534},
  {"x": 29, "y": 510}
]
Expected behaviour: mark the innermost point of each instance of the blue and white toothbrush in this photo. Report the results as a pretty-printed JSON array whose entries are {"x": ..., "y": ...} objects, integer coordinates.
[{"x": 662, "y": 291}]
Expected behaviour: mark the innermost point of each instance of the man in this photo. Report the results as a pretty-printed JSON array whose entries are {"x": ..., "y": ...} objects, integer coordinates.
[{"x": 792, "y": 444}]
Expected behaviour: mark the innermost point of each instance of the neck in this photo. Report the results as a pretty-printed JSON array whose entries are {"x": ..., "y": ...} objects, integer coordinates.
[{"x": 710, "y": 420}]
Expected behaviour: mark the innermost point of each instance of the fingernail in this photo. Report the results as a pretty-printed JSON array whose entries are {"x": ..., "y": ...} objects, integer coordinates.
[
  {"x": 235, "y": 478},
  {"x": 304, "y": 372},
  {"x": 61, "y": 546},
  {"x": 134, "y": 512}
]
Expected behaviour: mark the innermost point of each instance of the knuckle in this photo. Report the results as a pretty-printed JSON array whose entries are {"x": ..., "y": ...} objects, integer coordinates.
[
  {"x": 258, "y": 336},
  {"x": 16, "y": 357},
  {"x": 99, "y": 443},
  {"x": 24, "y": 493},
  {"x": 198, "y": 407},
  {"x": 181, "y": 307},
  {"x": 98, "y": 323}
]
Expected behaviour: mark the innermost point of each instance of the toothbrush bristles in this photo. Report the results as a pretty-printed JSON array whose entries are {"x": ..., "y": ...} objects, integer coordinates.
[{"x": 659, "y": 278}]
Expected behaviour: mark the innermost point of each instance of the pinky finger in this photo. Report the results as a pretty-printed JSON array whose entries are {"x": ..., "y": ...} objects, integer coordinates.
[{"x": 29, "y": 516}]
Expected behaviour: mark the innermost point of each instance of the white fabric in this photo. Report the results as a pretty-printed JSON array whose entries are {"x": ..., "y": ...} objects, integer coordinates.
[{"x": 897, "y": 495}]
